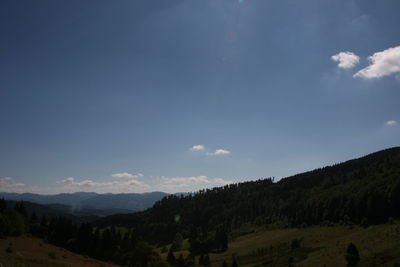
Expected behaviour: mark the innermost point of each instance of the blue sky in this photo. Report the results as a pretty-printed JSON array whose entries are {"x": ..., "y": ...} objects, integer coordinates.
[{"x": 153, "y": 95}]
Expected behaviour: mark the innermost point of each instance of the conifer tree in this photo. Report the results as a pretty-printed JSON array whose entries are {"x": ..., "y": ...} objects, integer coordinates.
[
  {"x": 180, "y": 262},
  {"x": 352, "y": 255},
  {"x": 171, "y": 257},
  {"x": 234, "y": 262}
]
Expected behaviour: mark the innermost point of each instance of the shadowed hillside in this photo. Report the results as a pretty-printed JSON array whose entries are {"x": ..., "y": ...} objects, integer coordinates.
[
  {"x": 29, "y": 251},
  {"x": 363, "y": 191}
]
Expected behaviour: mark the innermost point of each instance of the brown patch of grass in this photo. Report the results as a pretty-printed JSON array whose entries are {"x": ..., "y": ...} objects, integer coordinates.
[{"x": 30, "y": 251}]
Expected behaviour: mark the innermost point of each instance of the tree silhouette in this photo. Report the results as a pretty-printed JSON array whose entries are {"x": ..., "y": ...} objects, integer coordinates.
[
  {"x": 171, "y": 257},
  {"x": 234, "y": 262},
  {"x": 352, "y": 255}
]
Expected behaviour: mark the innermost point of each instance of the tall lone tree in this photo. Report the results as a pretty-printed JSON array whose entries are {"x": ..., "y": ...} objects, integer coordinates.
[
  {"x": 177, "y": 242},
  {"x": 171, "y": 257},
  {"x": 352, "y": 255},
  {"x": 234, "y": 262}
]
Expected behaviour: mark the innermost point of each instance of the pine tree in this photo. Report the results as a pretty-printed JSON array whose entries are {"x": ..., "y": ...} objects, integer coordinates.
[
  {"x": 221, "y": 239},
  {"x": 171, "y": 257},
  {"x": 180, "y": 262},
  {"x": 20, "y": 207},
  {"x": 3, "y": 205},
  {"x": 234, "y": 262},
  {"x": 33, "y": 219},
  {"x": 177, "y": 242},
  {"x": 206, "y": 260},
  {"x": 201, "y": 259},
  {"x": 352, "y": 255}
]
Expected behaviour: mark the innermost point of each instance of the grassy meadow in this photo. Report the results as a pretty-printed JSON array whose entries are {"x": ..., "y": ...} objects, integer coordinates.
[{"x": 378, "y": 245}]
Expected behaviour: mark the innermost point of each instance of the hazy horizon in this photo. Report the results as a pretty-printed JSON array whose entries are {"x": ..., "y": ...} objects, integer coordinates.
[{"x": 177, "y": 96}]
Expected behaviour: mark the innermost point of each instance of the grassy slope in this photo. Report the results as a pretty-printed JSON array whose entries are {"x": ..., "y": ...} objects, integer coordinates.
[
  {"x": 29, "y": 251},
  {"x": 378, "y": 245}
]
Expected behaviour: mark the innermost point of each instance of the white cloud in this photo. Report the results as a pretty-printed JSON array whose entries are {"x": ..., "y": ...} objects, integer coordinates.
[
  {"x": 71, "y": 185},
  {"x": 68, "y": 180},
  {"x": 135, "y": 182},
  {"x": 18, "y": 185},
  {"x": 197, "y": 148},
  {"x": 5, "y": 179},
  {"x": 190, "y": 183},
  {"x": 383, "y": 63},
  {"x": 7, "y": 184},
  {"x": 71, "y": 181},
  {"x": 391, "y": 123},
  {"x": 127, "y": 175},
  {"x": 347, "y": 60},
  {"x": 86, "y": 183},
  {"x": 219, "y": 152},
  {"x": 186, "y": 180}
]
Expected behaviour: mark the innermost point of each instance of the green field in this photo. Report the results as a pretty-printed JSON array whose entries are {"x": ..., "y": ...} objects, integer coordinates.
[{"x": 378, "y": 245}]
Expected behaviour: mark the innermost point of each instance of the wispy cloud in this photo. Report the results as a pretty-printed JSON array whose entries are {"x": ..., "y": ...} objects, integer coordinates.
[
  {"x": 197, "y": 148},
  {"x": 383, "y": 63},
  {"x": 127, "y": 175},
  {"x": 7, "y": 184},
  {"x": 346, "y": 60},
  {"x": 71, "y": 181},
  {"x": 391, "y": 123},
  {"x": 188, "y": 179},
  {"x": 165, "y": 184},
  {"x": 70, "y": 184},
  {"x": 66, "y": 180},
  {"x": 190, "y": 183},
  {"x": 219, "y": 152},
  {"x": 5, "y": 179}
]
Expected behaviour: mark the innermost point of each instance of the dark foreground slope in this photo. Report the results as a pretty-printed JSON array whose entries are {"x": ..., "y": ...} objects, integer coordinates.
[
  {"x": 362, "y": 191},
  {"x": 30, "y": 251}
]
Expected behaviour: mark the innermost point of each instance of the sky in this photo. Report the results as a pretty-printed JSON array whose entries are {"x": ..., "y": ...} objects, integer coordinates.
[{"x": 179, "y": 95}]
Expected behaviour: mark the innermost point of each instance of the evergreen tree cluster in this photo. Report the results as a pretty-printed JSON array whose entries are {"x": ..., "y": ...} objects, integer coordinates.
[
  {"x": 12, "y": 221},
  {"x": 107, "y": 244}
]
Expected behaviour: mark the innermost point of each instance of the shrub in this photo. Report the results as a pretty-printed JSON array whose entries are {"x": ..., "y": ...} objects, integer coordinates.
[
  {"x": 296, "y": 243},
  {"x": 352, "y": 255},
  {"x": 52, "y": 255}
]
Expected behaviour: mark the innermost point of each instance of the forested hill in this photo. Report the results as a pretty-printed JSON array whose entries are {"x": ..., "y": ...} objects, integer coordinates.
[{"x": 362, "y": 191}]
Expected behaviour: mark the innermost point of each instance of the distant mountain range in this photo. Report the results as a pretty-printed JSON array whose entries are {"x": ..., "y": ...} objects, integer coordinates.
[{"x": 89, "y": 203}]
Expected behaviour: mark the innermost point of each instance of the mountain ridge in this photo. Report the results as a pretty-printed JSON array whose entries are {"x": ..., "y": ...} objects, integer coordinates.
[{"x": 130, "y": 202}]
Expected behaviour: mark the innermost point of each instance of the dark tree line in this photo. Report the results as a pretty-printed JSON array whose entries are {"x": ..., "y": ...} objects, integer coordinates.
[
  {"x": 12, "y": 221},
  {"x": 361, "y": 191},
  {"x": 106, "y": 244}
]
